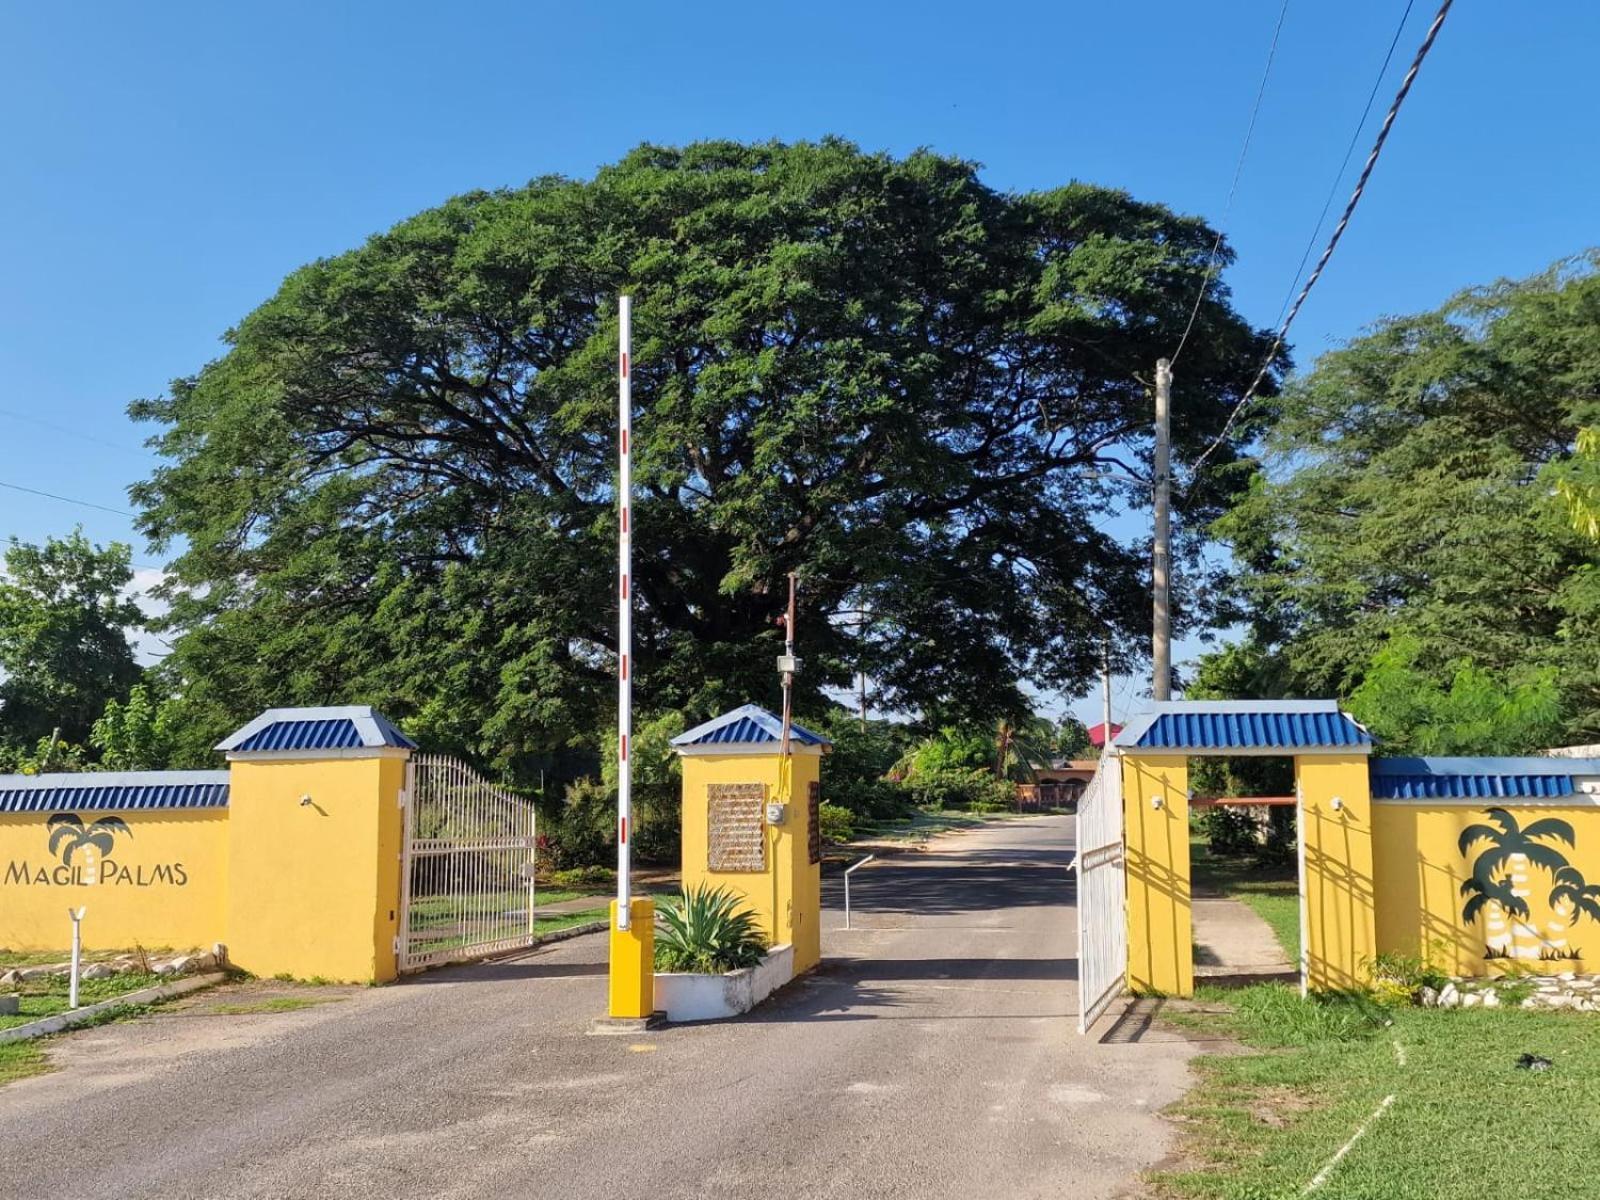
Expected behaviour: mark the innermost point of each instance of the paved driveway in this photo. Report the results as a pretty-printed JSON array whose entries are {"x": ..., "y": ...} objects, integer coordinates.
[{"x": 933, "y": 1055}]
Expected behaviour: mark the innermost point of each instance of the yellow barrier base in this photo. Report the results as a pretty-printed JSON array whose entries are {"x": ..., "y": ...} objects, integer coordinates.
[{"x": 633, "y": 962}]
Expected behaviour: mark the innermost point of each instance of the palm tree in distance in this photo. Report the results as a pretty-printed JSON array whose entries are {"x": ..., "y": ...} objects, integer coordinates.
[{"x": 1500, "y": 882}]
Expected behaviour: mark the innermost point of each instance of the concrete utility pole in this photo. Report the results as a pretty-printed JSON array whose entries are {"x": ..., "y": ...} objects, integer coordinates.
[
  {"x": 1105, "y": 692},
  {"x": 1161, "y": 565}
]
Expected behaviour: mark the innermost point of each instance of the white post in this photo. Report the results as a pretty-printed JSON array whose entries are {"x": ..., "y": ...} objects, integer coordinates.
[
  {"x": 624, "y": 605},
  {"x": 77, "y": 954},
  {"x": 847, "y": 873}
]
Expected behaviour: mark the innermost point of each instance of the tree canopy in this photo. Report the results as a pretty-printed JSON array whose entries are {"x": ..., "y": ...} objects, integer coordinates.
[
  {"x": 1406, "y": 541},
  {"x": 396, "y": 485},
  {"x": 65, "y": 617}
]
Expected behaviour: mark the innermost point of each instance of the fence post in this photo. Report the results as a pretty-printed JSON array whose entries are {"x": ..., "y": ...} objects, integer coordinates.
[
  {"x": 847, "y": 873},
  {"x": 77, "y": 954}
]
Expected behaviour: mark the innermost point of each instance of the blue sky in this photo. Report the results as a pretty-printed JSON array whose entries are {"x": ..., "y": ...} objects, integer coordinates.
[{"x": 166, "y": 165}]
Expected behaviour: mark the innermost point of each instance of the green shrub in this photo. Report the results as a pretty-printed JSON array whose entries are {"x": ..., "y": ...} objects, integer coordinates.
[
  {"x": 706, "y": 930},
  {"x": 838, "y": 824},
  {"x": 973, "y": 789},
  {"x": 576, "y": 879},
  {"x": 1409, "y": 972},
  {"x": 1230, "y": 832}
]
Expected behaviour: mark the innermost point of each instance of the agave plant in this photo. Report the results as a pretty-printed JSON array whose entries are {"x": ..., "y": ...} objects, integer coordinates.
[{"x": 706, "y": 930}]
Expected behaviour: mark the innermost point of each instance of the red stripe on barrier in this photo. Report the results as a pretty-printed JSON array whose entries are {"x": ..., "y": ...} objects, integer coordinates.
[
  {"x": 624, "y": 441},
  {"x": 624, "y": 587},
  {"x": 624, "y": 518},
  {"x": 624, "y": 746},
  {"x": 622, "y": 830},
  {"x": 624, "y": 666},
  {"x": 624, "y": 364}
]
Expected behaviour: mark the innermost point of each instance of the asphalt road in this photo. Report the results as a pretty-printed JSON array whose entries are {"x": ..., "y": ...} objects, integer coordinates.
[{"x": 933, "y": 1055}]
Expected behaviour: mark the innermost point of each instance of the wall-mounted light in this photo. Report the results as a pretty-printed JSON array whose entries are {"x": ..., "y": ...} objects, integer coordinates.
[
  {"x": 305, "y": 801},
  {"x": 1157, "y": 802},
  {"x": 1336, "y": 804}
]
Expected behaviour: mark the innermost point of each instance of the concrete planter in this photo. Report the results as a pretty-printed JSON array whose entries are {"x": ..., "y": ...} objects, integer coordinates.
[{"x": 686, "y": 996}]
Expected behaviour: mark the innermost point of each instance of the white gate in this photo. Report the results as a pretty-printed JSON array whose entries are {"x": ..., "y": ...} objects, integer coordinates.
[
  {"x": 466, "y": 874},
  {"x": 1102, "y": 893}
]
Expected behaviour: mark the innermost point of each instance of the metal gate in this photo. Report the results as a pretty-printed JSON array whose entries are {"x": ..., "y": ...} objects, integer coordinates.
[
  {"x": 1102, "y": 893},
  {"x": 466, "y": 873}
]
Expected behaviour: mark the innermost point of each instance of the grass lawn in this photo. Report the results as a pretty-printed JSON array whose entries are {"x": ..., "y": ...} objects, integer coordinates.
[
  {"x": 1464, "y": 1120},
  {"x": 46, "y": 997},
  {"x": 1272, "y": 894},
  {"x": 18, "y": 1060}
]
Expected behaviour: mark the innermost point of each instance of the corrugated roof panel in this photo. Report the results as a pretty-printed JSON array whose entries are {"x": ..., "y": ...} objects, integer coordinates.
[
  {"x": 132, "y": 791},
  {"x": 1387, "y": 786},
  {"x": 750, "y": 725},
  {"x": 1252, "y": 731},
  {"x": 337, "y": 734},
  {"x": 344, "y": 727}
]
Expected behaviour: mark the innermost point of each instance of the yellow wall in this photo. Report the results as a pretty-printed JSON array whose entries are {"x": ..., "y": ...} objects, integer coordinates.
[
  {"x": 787, "y": 897},
  {"x": 1338, "y": 903},
  {"x": 1160, "y": 927},
  {"x": 1419, "y": 870},
  {"x": 315, "y": 887},
  {"x": 163, "y": 886}
]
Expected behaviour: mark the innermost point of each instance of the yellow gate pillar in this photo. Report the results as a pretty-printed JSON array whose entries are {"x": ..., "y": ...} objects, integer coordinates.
[
  {"x": 314, "y": 843},
  {"x": 1337, "y": 906},
  {"x": 1155, "y": 806},
  {"x": 750, "y": 822}
]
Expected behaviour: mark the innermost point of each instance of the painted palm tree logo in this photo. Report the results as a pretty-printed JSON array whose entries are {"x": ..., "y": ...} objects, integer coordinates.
[
  {"x": 68, "y": 835},
  {"x": 1500, "y": 886}
]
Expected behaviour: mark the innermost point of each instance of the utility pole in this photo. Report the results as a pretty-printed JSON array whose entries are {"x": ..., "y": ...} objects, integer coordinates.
[
  {"x": 1161, "y": 564},
  {"x": 788, "y": 664},
  {"x": 1105, "y": 692},
  {"x": 861, "y": 675}
]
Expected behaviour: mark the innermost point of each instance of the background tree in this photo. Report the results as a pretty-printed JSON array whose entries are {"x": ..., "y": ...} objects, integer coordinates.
[
  {"x": 141, "y": 734},
  {"x": 396, "y": 484},
  {"x": 1407, "y": 501},
  {"x": 1071, "y": 738},
  {"x": 65, "y": 617}
]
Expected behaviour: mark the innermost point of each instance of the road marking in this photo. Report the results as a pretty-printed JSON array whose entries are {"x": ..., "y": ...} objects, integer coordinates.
[
  {"x": 1067, "y": 1093},
  {"x": 1321, "y": 1177},
  {"x": 643, "y": 1048}
]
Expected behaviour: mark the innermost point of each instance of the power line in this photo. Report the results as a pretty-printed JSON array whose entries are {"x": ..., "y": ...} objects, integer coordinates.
[
  {"x": 1333, "y": 241},
  {"x": 70, "y": 432},
  {"x": 1350, "y": 148},
  {"x": 1238, "y": 169},
  {"x": 17, "y": 487}
]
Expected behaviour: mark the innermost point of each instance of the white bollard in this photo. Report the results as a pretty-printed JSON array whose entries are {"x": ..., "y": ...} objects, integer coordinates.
[
  {"x": 77, "y": 954},
  {"x": 847, "y": 873}
]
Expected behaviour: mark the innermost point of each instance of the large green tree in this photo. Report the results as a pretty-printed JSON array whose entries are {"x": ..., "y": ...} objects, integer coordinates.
[
  {"x": 396, "y": 484},
  {"x": 1408, "y": 501},
  {"x": 65, "y": 620}
]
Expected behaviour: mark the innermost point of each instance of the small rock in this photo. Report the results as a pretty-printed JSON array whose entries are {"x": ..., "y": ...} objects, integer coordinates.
[
  {"x": 1567, "y": 976},
  {"x": 183, "y": 964},
  {"x": 11, "y": 978},
  {"x": 10, "y": 1006},
  {"x": 127, "y": 968},
  {"x": 1531, "y": 1002},
  {"x": 1449, "y": 996},
  {"x": 167, "y": 969},
  {"x": 98, "y": 971},
  {"x": 1491, "y": 999},
  {"x": 28, "y": 974},
  {"x": 1428, "y": 998},
  {"x": 1471, "y": 1000},
  {"x": 1558, "y": 1002}
]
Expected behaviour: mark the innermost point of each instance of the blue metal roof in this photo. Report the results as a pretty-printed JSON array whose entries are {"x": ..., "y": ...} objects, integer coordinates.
[
  {"x": 1477, "y": 778},
  {"x": 113, "y": 791},
  {"x": 349, "y": 727},
  {"x": 1289, "y": 725},
  {"x": 749, "y": 725}
]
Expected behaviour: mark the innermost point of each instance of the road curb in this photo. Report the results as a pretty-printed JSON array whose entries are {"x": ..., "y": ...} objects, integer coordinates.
[
  {"x": 561, "y": 935},
  {"x": 80, "y": 1016}
]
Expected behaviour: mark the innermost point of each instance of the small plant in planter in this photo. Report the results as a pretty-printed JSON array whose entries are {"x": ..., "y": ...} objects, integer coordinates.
[{"x": 706, "y": 931}]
